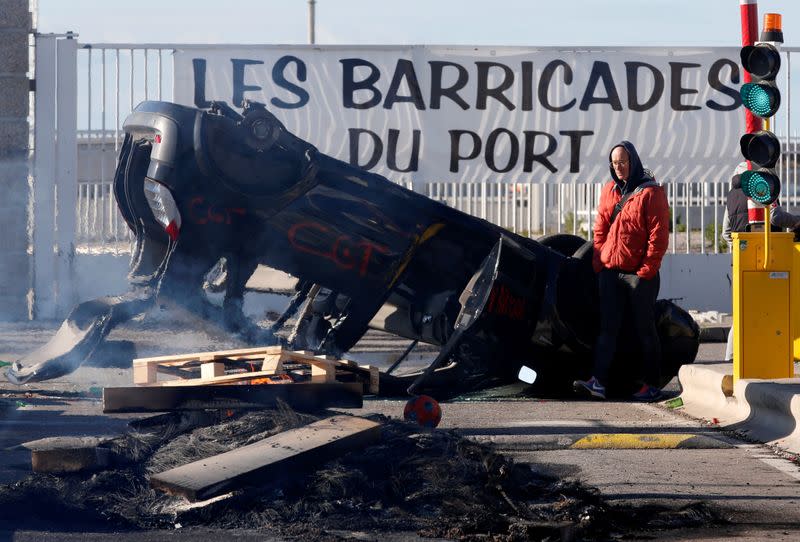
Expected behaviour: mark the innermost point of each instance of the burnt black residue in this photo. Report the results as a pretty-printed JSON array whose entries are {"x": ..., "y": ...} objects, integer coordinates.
[{"x": 435, "y": 483}]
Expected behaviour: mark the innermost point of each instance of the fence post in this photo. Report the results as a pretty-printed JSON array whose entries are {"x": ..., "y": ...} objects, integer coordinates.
[
  {"x": 484, "y": 200},
  {"x": 44, "y": 179},
  {"x": 530, "y": 210},
  {"x": 513, "y": 227},
  {"x": 703, "y": 192},
  {"x": 687, "y": 206},
  {"x": 66, "y": 172}
]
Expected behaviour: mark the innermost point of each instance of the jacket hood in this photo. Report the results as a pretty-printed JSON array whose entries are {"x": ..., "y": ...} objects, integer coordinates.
[
  {"x": 736, "y": 179},
  {"x": 637, "y": 175}
]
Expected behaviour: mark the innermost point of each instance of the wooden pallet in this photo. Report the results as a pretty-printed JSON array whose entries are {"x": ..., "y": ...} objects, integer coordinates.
[{"x": 264, "y": 365}]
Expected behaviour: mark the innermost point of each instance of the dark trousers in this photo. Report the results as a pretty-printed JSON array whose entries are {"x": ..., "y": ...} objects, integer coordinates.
[{"x": 618, "y": 292}]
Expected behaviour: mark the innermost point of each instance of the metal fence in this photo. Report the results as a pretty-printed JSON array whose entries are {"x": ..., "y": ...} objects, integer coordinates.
[{"x": 113, "y": 78}]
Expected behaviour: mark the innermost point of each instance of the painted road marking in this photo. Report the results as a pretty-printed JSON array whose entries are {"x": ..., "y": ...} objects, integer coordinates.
[
  {"x": 601, "y": 423},
  {"x": 648, "y": 441},
  {"x": 774, "y": 461},
  {"x": 605, "y": 441},
  {"x": 783, "y": 465}
]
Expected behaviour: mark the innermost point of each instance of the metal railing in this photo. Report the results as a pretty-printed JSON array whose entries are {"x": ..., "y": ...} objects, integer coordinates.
[
  {"x": 533, "y": 210},
  {"x": 528, "y": 209},
  {"x": 114, "y": 79}
]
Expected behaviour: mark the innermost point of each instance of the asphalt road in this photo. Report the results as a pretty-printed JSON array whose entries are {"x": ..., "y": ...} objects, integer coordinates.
[{"x": 632, "y": 453}]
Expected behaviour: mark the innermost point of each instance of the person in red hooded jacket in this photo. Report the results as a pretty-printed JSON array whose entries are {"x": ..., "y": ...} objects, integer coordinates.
[{"x": 631, "y": 235}]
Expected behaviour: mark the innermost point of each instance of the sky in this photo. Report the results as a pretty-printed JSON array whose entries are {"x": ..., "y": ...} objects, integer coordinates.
[
  {"x": 568, "y": 23},
  {"x": 451, "y": 22}
]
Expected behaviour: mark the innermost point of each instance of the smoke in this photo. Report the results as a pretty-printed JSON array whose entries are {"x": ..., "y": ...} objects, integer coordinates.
[{"x": 15, "y": 263}]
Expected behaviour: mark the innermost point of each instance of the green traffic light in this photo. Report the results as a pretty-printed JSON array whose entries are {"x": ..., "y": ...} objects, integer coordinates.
[
  {"x": 762, "y": 99},
  {"x": 760, "y": 186}
]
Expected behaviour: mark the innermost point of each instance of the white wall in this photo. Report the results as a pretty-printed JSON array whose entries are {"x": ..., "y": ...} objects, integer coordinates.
[
  {"x": 698, "y": 281},
  {"x": 701, "y": 280}
]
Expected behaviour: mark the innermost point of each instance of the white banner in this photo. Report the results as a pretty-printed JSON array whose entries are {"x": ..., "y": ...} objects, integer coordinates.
[{"x": 515, "y": 114}]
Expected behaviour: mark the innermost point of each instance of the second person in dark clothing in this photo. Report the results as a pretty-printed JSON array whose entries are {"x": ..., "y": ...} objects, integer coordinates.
[
  {"x": 736, "y": 219},
  {"x": 631, "y": 235}
]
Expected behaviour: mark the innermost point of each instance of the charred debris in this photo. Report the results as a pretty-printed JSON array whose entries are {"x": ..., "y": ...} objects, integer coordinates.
[
  {"x": 391, "y": 476},
  {"x": 251, "y": 450}
]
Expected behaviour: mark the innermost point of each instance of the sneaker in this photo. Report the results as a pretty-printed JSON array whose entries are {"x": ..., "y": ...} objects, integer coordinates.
[
  {"x": 647, "y": 394},
  {"x": 591, "y": 388}
]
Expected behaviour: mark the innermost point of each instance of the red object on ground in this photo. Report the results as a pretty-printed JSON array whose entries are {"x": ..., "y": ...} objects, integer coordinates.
[{"x": 424, "y": 410}]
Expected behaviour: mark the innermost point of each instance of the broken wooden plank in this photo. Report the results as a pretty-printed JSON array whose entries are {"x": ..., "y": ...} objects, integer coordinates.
[
  {"x": 145, "y": 370},
  {"x": 301, "y": 396},
  {"x": 322, "y": 371},
  {"x": 374, "y": 380},
  {"x": 370, "y": 374},
  {"x": 67, "y": 454},
  {"x": 212, "y": 369},
  {"x": 235, "y": 378},
  {"x": 239, "y": 367},
  {"x": 273, "y": 363},
  {"x": 272, "y": 358},
  {"x": 268, "y": 460},
  {"x": 210, "y": 356},
  {"x": 144, "y": 373}
]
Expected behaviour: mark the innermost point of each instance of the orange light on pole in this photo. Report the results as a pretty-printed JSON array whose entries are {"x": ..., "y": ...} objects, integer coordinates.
[{"x": 773, "y": 28}]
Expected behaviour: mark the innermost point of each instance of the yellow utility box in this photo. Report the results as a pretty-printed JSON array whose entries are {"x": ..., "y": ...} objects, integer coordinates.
[
  {"x": 795, "y": 299},
  {"x": 763, "y": 286}
]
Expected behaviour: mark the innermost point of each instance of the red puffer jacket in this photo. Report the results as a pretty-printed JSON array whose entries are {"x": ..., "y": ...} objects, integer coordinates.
[{"x": 638, "y": 238}]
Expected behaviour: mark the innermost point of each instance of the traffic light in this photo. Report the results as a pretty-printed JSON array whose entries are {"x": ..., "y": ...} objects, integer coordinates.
[
  {"x": 761, "y": 185},
  {"x": 762, "y": 97}
]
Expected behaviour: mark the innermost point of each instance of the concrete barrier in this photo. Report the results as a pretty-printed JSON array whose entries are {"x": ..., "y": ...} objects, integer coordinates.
[
  {"x": 763, "y": 410},
  {"x": 707, "y": 392},
  {"x": 774, "y": 411}
]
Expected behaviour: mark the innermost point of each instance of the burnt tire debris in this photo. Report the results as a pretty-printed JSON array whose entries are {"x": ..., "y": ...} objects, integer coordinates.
[{"x": 435, "y": 483}]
